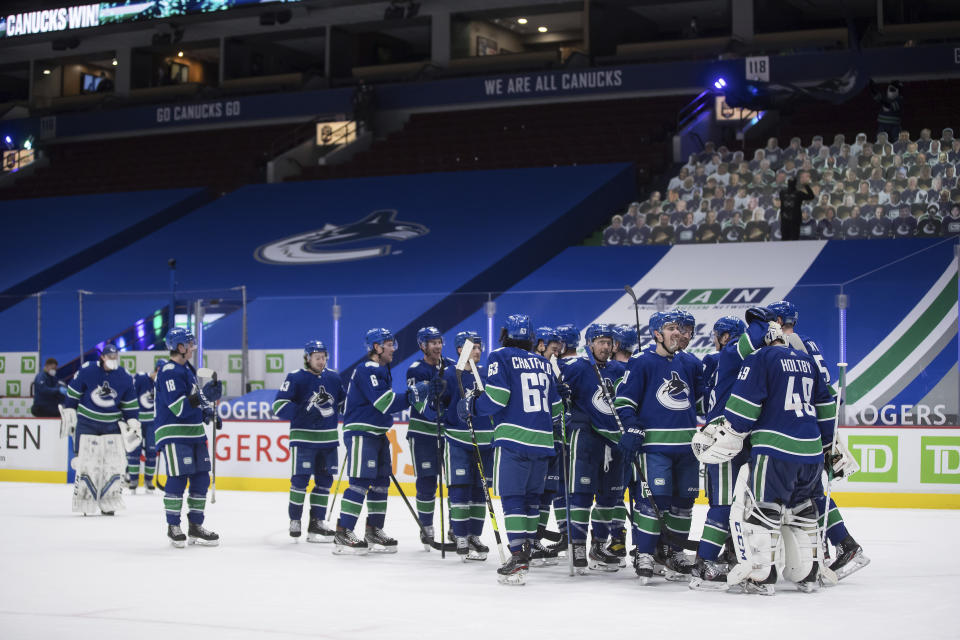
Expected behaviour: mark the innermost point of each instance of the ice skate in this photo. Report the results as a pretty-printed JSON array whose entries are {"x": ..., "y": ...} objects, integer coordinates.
[
  {"x": 318, "y": 531},
  {"x": 426, "y": 538},
  {"x": 560, "y": 546},
  {"x": 600, "y": 560},
  {"x": 580, "y": 558},
  {"x": 463, "y": 548},
  {"x": 618, "y": 547},
  {"x": 295, "y": 528},
  {"x": 176, "y": 535},
  {"x": 514, "y": 572},
  {"x": 378, "y": 541},
  {"x": 478, "y": 550},
  {"x": 643, "y": 566},
  {"x": 541, "y": 556},
  {"x": 132, "y": 486},
  {"x": 347, "y": 543},
  {"x": 850, "y": 558},
  {"x": 204, "y": 537},
  {"x": 148, "y": 485},
  {"x": 764, "y": 587},
  {"x": 677, "y": 566},
  {"x": 709, "y": 575}
]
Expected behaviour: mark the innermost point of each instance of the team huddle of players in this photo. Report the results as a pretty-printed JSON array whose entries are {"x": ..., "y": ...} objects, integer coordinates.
[{"x": 541, "y": 425}]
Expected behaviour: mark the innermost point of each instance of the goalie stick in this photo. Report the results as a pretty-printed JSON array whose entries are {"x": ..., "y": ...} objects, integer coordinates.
[{"x": 462, "y": 363}]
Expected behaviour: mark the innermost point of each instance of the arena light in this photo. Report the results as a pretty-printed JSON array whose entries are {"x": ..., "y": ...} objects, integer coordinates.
[
  {"x": 8, "y": 140},
  {"x": 542, "y": 29},
  {"x": 47, "y": 72},
  {"x": 114, "y": 62},
  {"x": 521, "y": 21},
  {"x": 719, "y": 84}
]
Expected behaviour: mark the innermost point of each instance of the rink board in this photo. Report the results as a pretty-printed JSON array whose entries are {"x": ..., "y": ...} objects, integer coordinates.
[{"x": 902, "y": 466}]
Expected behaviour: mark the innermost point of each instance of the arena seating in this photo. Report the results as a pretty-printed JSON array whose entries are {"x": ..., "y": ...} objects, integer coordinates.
[
  {"x": 635, "y": 130},
  {"x": 221, "y": 159}
]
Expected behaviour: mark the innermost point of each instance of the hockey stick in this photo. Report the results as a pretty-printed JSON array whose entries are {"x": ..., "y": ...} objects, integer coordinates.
[
  {"x": 443, "y": 533},
  {"x": 336, "y": 491},
  {"x": 827, "y": 574},
  {"x": 449, "y": 546},
  {"x": 216, "y": 424},
  {"x": 465, "y": 352},
  {"x": 566, "y": 468},
  {"x": 665, "y": 533}
]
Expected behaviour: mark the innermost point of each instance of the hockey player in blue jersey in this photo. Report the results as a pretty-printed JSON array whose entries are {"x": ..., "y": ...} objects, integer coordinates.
[
  {"x": 521, "y": 396},
  {"x": 782, "y": 403},
  {"x": 367, "y": 416},
  {"x": 310, "y": 398},
  {"x": 540, "y": 554},
  {"x": 182, "y": 409},
  {"x": 657, "y": 402},
  {"x": 144, "y": 384},
  {"x": 688, "y": 325},
  {"x": 596, "y": 465},
  {"x": 100, "y": 412},
  {"x": 467, "y": 502},
  {"x": 734, "y": 342},
  {"x": 624, "y": 342},
  {"x": 422, "y": 433},
  {"x": 850, "y": 557},
  {"x": 570, "y": 338}
]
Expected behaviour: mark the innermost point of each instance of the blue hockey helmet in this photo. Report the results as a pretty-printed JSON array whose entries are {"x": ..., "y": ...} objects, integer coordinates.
[
  {"x": 569, "y": 335},
  {"x": 108, "y": 349},
  {"x": 314, "y": 346},
  {"x": 463, "y": 336},
  {"x": 425, "y": 334},
  {"x": 159, "y": 364},
  {"x": 659, "y": 319},
  {"x": 787, "y": 311},
  {"x": 378, "y": 336},
  {"x": 599, "y": 330},
  {"x": 686, "y": 318},
  {"x": 548, "y": 335},
  {"x": 177, "y": 336},
  {"x": 729, "y": 324},
  {"x": 518, "y": 327},
  {"x": 625, "y": 337}
]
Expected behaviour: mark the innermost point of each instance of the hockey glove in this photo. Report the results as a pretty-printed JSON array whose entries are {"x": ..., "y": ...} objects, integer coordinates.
[
  {"x": 774, "y": 333},
  {"x": 418, "y": 394},
  {"x": 630, "y": 441},
  {"x": 706, "y": 435},
  {"x": 842, "y": 464},
  {"x": 213, "y": 389},
  {"x": 466, "y": 408},
  {"x": 131, "y": 433},
  {"x": 759, "y": 313},
  {"x": 68, "y": 422},
  {"x": 727, "y": 445},
  {"x": 437, "y": 386},
  {"x": 565, "y": 391}
]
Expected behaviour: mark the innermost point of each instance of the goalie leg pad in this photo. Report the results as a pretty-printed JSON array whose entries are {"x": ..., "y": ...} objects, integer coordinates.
[
  {"x": 114, "y": 465},
  {"x": 755, "y": 532},
  {"x": 801, "y": 543},
  {"x": 85, "y": 487}
]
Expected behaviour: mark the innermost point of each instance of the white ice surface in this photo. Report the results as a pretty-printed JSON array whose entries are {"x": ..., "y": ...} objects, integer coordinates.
[{"x": 87, "y": 578}]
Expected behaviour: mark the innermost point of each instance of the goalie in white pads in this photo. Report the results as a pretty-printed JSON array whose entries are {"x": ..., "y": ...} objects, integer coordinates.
[
  {"x": 783, "y": 404},
  {"x": 100, "y": 412}
]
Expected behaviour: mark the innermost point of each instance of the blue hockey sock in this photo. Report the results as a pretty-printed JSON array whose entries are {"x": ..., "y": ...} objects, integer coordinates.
[
  {"x": 716, "y": 531},
  {"x": 580, "y": 504},
  {"x": 319, "y": 497},
  {"x": 460, "y": 510},
  {"x": 426, "y": 498},
  {"x": 377, "y": 505},
  {"x": 173, "y": 498},
  {"x": 836, "y": 529},
  {"x": 515, "y": 520},
  {"x": 298, "y": 491},
  {"x": 197, "y": 498},
  {"x": 352, "y": 503}
]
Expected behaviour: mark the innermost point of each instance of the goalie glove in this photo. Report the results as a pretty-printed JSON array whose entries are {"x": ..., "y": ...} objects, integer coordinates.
[
  {"x": 727, "y": 444},
  {"x": 68, "y": 422},
  {"x": 705, "y": 436},
  {"x": 842, "y": 464},
  {"x": 774, "y": 333},
  {"x": 131, "y": 433}
]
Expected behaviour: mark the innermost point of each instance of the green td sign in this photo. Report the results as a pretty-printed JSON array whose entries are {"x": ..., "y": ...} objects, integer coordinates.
[{"x": 877, "y": 457}]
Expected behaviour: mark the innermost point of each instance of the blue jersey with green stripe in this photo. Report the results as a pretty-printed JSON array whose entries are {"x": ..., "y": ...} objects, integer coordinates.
[
  {"x": 589, "y": 407},
  {"x": 456, "y": 431},
  {"x": 782, "y": 401},
  {"x": 521, "y": 397},
  {"x": 371, "y": 401},
  {"x": 814, "y": 352},
  {"x": 177, "y": 420},
  {"x": 146, "y": 392},
  {"x": 101, "y": 396},
  {"x": 423, "y": 371},
  {"x": 311, "y": 402},
  {"x": 660, "y": 394},
  {"x": 728, "y": 362}
]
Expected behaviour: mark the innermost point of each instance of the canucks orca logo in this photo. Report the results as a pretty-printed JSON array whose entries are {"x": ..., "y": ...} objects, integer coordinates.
[
  {"x": 323, "y": 245},
  {"x": 598, "y": 400},
  {"x": 104, "y": 396},
  {"x": 146, "y": 399},
  {"x": 674, "y": 393}
]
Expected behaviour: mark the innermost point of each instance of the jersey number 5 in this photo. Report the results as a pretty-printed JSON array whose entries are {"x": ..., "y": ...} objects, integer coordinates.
[
  {"x": 793, "y": 401},
  {"x": 533, "y": 387}
]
